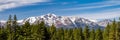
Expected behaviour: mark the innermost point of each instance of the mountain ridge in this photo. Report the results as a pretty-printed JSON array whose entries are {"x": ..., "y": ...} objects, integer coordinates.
[{"x": 64, "y": 21}]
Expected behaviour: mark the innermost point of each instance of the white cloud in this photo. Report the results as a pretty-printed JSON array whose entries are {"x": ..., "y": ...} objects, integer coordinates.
[
  {"x": 102, "y": 15},
  {"x": 6, "y": 4}
]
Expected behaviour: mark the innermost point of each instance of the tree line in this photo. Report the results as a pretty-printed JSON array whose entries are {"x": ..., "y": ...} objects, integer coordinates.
[{"x": 39, "y": 31}]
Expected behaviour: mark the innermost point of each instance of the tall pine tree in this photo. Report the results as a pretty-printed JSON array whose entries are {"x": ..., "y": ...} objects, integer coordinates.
[
  {"x": 118, "y": 30},
  {"x": 92, "y": 34},
  {"x": 26, "y": 31},
  {"x": 106, "y": 32},
  {"x": 86, "y": 33},
  {"x": 9, "y": 28},
  {"x": 98, "y": 35},
  {"x": 112, "y": 34},
  {"x": 52, "y": 32}
]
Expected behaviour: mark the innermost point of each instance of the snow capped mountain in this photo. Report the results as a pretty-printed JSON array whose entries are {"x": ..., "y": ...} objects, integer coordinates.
[
  {"x": 93, "y": 20},
  {"x": 104, "y": 22},
  {"x": 2, "y": 23},
  {"x": 63, "y": 21}
]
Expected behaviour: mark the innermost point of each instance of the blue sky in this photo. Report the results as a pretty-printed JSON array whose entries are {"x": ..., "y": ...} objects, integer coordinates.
[{"x": 91, "y": 9}]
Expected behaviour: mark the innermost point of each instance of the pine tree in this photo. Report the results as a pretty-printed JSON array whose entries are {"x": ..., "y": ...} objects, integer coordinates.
[
  {"x": 92, "y": 34},
  {"x": 52, "y": 32},
  {"x": 99, "y": 34},
  {"x": 112, "y": 34},
  {"x": 15, "y": 20},
  {"x": 26, "y": 31},
  {"x": 16, "y": 28},
  {"x": 77, "y": 34},
  {"x": 15, "y": 25},
  {"x": 9, "y": 28},
  {"x": 118, "y": 30},
  {"x": 66, "y": 34},
  {"x": 81, "y": 34},
  {"x": 41, "y": 31},
  {"x": 71, "y": 34},
  {"x": 9, "y": 23},
  {"x": 3, "y": 35},
  {"x": 86, "y": 33},
  {"x": 106, "y": 32},
  {"x": 60, "y": 34}
]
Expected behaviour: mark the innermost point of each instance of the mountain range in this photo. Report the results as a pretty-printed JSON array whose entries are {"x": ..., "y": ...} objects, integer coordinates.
[{"x": 64, "y": 21}]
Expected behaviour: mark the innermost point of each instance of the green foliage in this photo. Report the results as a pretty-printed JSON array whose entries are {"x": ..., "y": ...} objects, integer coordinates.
[
  {"x": 52, "y": 32},
  {"x": 3, "y": 35},
  {"x": 92, "y": 35},
  {"x": 77, "y": 34},
  {"x": 118, "y": 30},
  {"x": 106, "y": 32},
  {"x": 60, "y": 34},
  {"x": 99, "y": 34},
  {"x": 112, "y": 34},
  {"x": 86, "y": 33}
]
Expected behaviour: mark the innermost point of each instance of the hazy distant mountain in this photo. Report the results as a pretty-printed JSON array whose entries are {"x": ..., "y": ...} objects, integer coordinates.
[{"x": 64, "y": 21}]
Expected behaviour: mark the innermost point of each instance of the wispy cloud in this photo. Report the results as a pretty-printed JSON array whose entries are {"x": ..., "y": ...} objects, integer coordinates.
[
  {"x": 65, "y": 3},
  {"x": 101, "y": 14},
  {"x": 113, "y": 13},
  {"x": 6, "y": 4},
  {"x": 95, "y": 5}
]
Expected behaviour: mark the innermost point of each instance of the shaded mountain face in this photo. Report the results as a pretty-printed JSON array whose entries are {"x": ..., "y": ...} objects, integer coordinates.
[{"x": 64, "y": 21}]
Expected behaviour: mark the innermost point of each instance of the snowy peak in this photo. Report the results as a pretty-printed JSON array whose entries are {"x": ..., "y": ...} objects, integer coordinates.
[
  {"x": 30, "y": 19},
  {"x": 50, "y": 15},
  {"x": 93, "y": 20},
  {"x": 104, "y": 22},
  {"x": 62, "y": 21}
]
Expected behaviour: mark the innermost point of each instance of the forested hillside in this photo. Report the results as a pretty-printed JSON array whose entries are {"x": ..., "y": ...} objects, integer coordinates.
[{"x": 39, "y": 31}]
